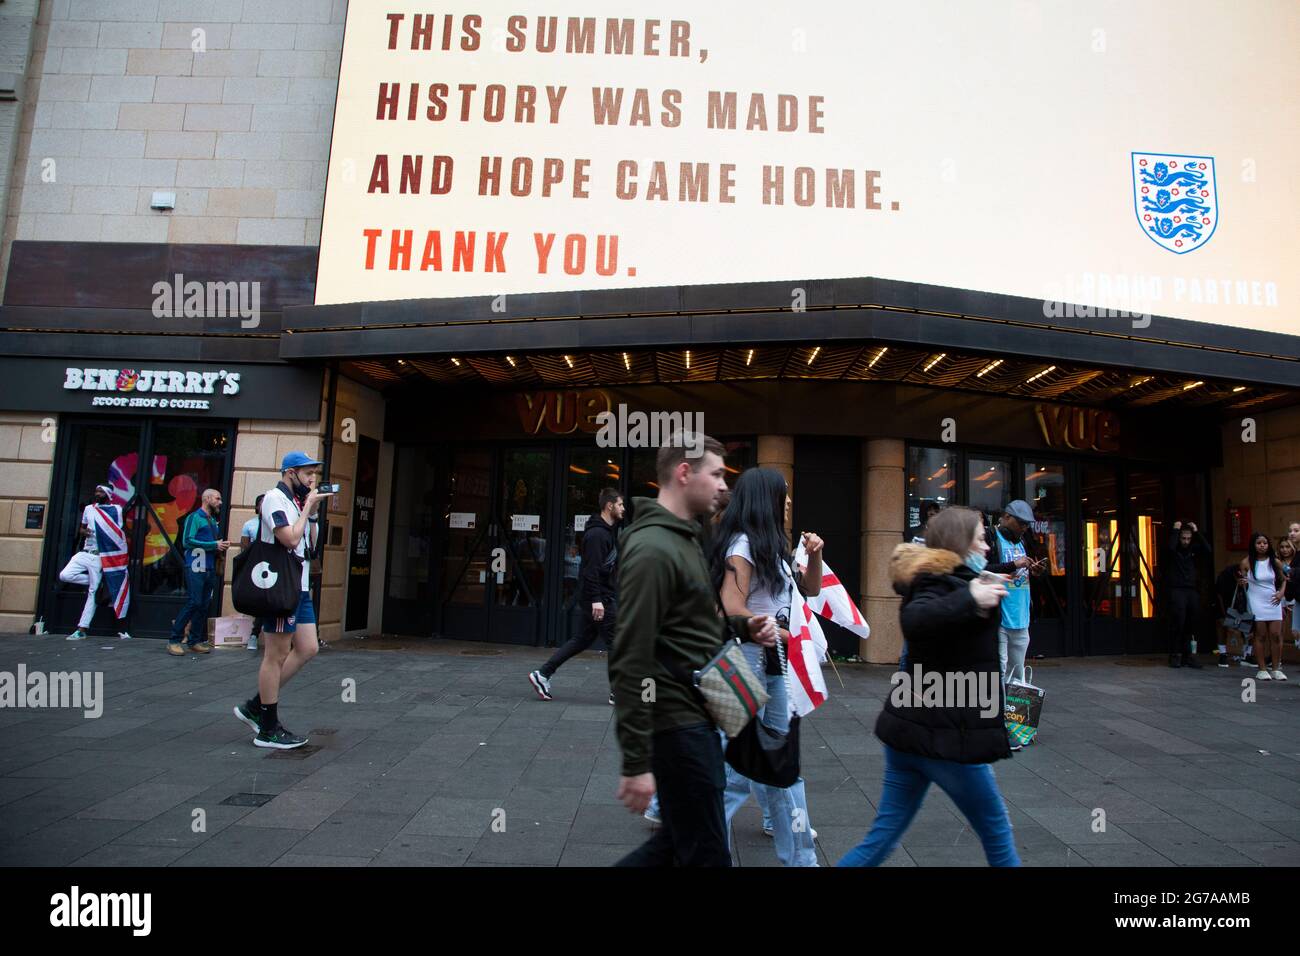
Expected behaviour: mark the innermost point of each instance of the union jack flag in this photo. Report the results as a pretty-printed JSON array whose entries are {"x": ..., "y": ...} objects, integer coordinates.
[{"x": 111, "y": 540}]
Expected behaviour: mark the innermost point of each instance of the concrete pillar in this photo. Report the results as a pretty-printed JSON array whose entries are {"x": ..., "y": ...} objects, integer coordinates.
[
  {"x": 777, "y": 452},
  {"x": 883, "y": 482}
]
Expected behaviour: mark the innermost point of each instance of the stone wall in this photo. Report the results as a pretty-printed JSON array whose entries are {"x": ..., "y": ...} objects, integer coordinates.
[
  {"x": 26, "y": 463},
  {"x": 227, "y": 103}
]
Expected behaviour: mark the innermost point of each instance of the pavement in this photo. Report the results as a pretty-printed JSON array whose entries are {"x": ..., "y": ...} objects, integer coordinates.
[{"x": 447, "y": 758}]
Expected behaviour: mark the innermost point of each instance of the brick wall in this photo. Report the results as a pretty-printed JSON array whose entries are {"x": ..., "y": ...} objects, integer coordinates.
[
  {"x": 17, "y": 33},
  {"x": 228, "y": 103}
]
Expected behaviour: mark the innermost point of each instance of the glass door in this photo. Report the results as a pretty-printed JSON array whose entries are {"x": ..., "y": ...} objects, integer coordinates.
[
  {"x": 518, "y": 592},
  {"x": 157, "y": 471},
  {"x": 987, "y": 482},
  {"x": 418, "y": 520},
  {"x": 467, "y": 544},
  {"x": 587, "y": 470},
  {"x": 1103, "y": 559},
  {"x": 494, "y": 556},
  {"x": 186, "y": 460},
  {"x": 1046, "y": 485},
  {"x": 1147, "y": 536},
  {"x": 107, "y": 453}
]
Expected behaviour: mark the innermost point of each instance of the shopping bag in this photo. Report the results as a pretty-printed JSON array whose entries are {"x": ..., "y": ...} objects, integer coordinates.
[
  {"x": 1024, "y": 707},
  {"x": 267, "y": 579},
  {"x": 233, "y": 630}
]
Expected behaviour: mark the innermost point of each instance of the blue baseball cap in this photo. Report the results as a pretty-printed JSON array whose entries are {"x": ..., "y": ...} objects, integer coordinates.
[
  {"x": 297, "y": 459},
  {"x": 1020, "y": 510}
]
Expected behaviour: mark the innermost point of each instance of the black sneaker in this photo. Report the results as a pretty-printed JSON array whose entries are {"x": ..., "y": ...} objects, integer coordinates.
[
  {"x": 250, "y": 714},
  {"x": 1191, "y": 661},
  {"x": 1175, "y": 660},
  {"x": 1223, "y": 660},
  {"x": 279, "y": 739}
]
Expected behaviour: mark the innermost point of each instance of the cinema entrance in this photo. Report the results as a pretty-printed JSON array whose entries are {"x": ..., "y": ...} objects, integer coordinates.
[
  {"x": 486, "y": 538},
  {"x": 1102, "y": 526}
]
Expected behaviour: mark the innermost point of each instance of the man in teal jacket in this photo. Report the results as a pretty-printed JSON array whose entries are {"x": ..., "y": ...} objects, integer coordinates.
[
  {"x": 669, "y": 625},
  {"x": 200, "y": 544}
]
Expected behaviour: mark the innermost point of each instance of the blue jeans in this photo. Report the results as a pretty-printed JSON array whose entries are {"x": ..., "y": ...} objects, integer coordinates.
[
  {"x": 970, "y": 785},
  {"x": 784, "y": 809},
  {"x": 199, "y": 587}
]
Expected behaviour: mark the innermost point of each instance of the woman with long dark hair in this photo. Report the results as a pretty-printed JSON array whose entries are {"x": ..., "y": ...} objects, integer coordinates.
[
  {"x": 750, "y": 562},
  {"x": 1265, "y": 589},
  {"x": 943, "y": 720},
  {"x": 1286, "y": 554}
]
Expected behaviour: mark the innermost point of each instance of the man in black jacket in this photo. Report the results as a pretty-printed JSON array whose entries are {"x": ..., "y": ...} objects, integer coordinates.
[
  {"x": 1186, "y": 547},
  {"x": 598, "y": 590}
]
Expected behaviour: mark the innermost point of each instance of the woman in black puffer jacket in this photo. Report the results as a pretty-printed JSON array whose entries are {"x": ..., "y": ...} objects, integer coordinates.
[{"x": 943, "y": 720}]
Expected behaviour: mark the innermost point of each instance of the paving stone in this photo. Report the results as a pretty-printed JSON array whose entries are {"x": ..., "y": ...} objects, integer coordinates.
[
  {"x": 242, "y": 846},
  {"x": 296, "y": 810},
  {"x": 412, "y": 849},
  {"x": 440, "y": 739},
  {"x": 452, "y": 816},
  {"x": 122, "y": 855},
  {"x": 177, "y": 827},
  {"x": 61, "y": 843}
]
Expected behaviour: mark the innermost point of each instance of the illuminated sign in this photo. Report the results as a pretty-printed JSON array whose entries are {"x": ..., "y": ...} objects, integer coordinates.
[
  {"x": 1080, "y": 429},
  {"x": 531, "y": 147}
]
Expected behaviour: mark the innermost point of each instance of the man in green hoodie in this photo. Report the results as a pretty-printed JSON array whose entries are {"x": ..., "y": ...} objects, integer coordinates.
[{"x": 669, "y": 625}]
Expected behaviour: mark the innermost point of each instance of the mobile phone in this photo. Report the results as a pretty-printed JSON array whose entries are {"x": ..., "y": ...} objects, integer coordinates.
[
  {"x": 988, "y": 577},
  {"x": 329, "y": 489}
]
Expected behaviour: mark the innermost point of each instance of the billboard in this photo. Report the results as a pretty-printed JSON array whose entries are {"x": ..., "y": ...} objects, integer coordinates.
[{"x": 1123, "y": 156}]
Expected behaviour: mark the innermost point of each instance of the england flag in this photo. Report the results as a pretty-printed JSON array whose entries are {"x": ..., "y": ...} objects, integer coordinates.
[{"x": 808, "y": 646}]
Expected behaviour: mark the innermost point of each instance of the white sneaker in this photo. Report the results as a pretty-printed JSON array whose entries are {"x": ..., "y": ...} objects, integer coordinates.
[
  {"x": 77, "y": 635},
  {"x": 252, "y": 642},
  {"x": 1278, "y": 675},
  {"x": 768, "y": 831},
  {"x": 1263, "y": 675},
  {"x": 123, "y": 636},
  {"x": 540, "y": 684}
]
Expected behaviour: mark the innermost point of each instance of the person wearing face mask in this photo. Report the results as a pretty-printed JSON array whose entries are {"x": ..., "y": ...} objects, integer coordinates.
[
  {"x": 200, "y": 544},
  {"x": 86, "y": 566},
  {"x": 950, "y": 618},
  {"x": 289, "y": 514}
]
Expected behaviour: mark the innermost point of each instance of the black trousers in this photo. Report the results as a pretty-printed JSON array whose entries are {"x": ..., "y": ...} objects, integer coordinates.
[
  {"x": 604, "y": 628},
  {"x": 1184, "y": 615},
  {"x": 690, "y": 776}
]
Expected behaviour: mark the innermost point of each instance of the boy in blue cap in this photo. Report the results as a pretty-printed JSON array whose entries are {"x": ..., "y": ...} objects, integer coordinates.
[{"x": 288, "y": 517}]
